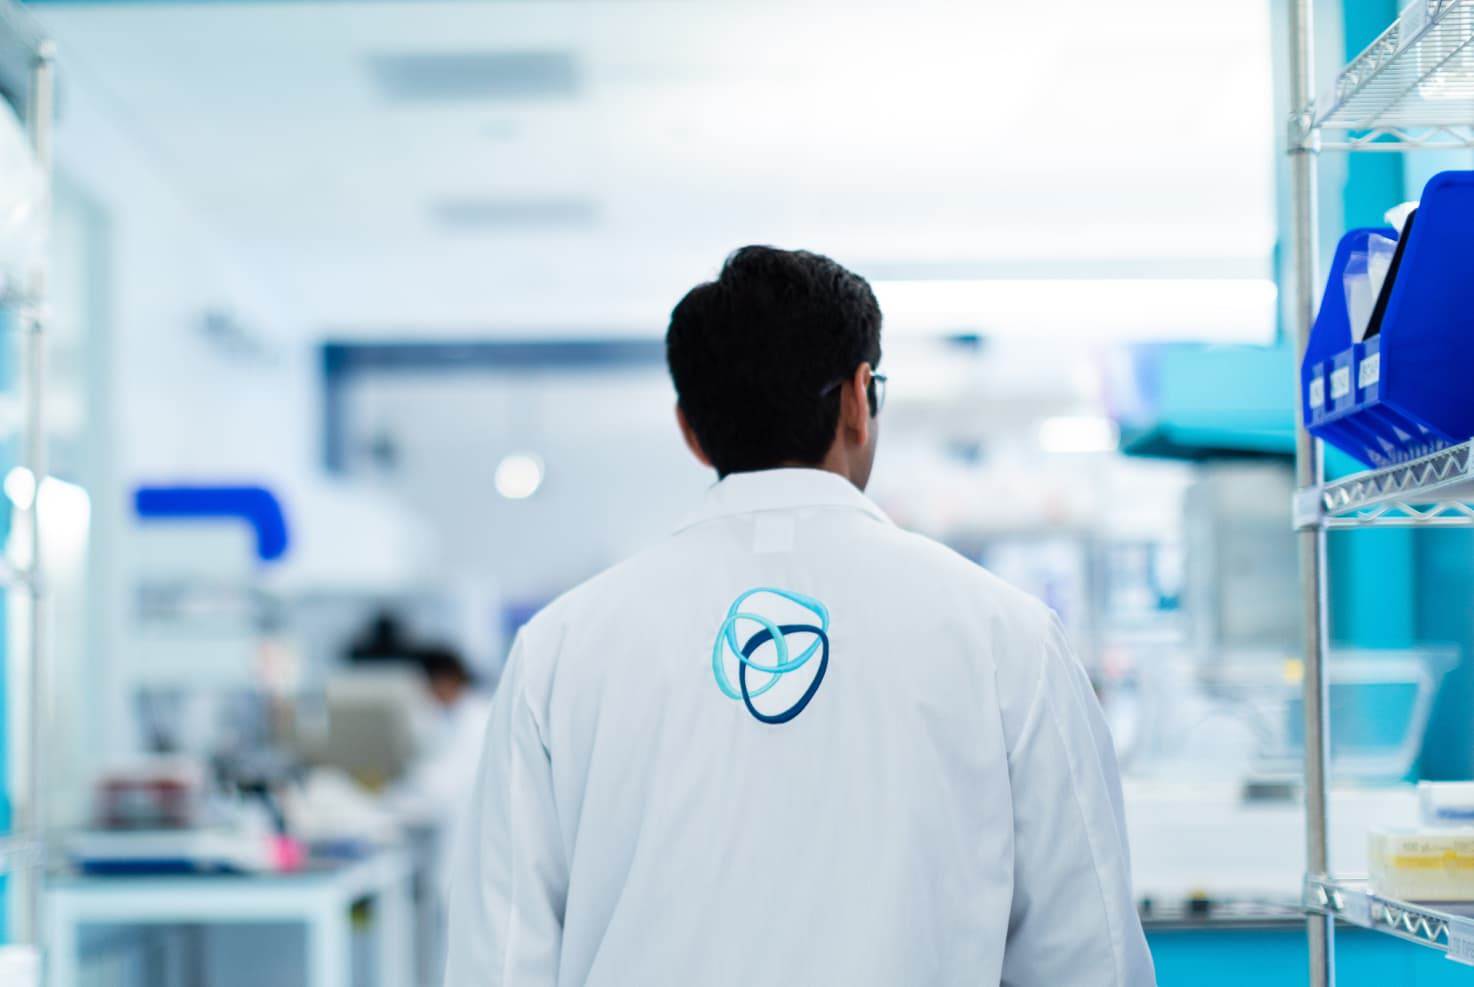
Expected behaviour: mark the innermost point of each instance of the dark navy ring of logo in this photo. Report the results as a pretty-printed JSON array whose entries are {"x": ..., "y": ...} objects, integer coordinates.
[{"x": 763, "y": 637}]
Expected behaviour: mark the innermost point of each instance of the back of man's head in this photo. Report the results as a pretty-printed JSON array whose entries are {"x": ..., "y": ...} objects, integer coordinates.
[{"x": 757, "y": 356}]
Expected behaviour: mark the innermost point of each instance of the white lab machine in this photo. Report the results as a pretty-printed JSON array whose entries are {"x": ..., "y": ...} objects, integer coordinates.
[
  {"x": 196, "y": 612},
  {"x": 373, "y": 718}
]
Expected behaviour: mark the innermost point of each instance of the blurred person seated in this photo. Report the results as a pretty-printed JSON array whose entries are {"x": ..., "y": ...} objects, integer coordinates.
[{"x": 435, "y": 787}]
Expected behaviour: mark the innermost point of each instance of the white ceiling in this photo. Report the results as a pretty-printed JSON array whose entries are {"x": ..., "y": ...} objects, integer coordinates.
[{"x": 993, "y": 142}]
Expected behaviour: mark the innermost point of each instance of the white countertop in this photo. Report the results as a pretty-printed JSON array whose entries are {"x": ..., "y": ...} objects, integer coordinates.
[{"x": 1202, "y": 838}]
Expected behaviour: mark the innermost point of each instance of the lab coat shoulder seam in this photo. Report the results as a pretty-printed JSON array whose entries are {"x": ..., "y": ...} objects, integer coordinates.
[
  {"x": 1118, "y": 958},
  {"x": 532, "y": 660},
  {"x": 1040, "y": 699}
]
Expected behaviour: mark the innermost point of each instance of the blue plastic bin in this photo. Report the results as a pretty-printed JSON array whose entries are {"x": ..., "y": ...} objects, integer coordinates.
[
  {"x": 1404, "y": 391},
  {"x": 1327, "y": 381}
]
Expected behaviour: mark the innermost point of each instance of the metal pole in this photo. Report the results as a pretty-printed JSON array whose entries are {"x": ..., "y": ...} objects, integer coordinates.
[
  {"x": 32, "y": 808},
  {"x": 1309, "y": 472}
]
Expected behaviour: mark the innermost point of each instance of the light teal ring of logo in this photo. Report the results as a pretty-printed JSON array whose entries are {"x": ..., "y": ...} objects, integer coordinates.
[{"x": 727, "y": 638}]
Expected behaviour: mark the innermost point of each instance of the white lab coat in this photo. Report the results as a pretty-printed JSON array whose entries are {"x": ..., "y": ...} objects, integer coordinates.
[{"x": 946, "y": 809}]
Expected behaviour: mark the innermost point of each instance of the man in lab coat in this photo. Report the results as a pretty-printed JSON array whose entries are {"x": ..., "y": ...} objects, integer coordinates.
[{"x": 793, "y": 744}]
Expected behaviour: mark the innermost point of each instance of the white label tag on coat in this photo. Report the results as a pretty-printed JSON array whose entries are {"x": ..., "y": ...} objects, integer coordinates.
[{"x": 773, "y": 533}]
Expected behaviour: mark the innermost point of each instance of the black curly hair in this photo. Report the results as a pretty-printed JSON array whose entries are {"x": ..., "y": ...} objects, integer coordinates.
[{"x": 755, "y": 354}]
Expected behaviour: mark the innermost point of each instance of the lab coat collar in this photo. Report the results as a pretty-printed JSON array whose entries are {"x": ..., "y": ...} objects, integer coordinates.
[{"x": 779, "y": 490}]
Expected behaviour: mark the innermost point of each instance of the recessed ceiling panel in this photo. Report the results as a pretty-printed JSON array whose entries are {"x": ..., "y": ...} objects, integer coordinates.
[
  {"x": 475, "y": 75},
  {"x": 476, "y": 214}
]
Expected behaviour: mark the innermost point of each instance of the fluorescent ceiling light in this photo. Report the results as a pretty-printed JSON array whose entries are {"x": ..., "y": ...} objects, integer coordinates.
[
  {"x": 1240, "y": 310},
  {"x": 519, "y": 475},
  {"x": 1078, "y": 433}
]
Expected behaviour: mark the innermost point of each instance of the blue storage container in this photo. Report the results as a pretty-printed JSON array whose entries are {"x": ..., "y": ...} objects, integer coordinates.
[
  {"x": 1404, "y": 391},
  {"x": 1327, "y": 381}
]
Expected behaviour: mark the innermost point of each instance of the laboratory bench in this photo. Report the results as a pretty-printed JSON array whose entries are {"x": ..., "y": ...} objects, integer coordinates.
[
  {"x": 364, "y": 920},
  {"x": 1196, "y": 941},
  {"x": 92, "y": 919},
  {"x": 1219, "y": 882}
]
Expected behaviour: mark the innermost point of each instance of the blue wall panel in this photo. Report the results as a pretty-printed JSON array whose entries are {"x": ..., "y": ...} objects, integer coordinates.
[{"x": 1278, "y": 958}]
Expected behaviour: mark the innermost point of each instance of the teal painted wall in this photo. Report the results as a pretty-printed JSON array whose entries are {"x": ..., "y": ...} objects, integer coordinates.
[
  {"x": 1445, "y": 585},
  {"x": 1278, "y": 958}
]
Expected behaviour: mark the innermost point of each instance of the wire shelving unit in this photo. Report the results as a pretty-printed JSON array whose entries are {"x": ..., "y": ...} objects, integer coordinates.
[
  {"x": 1446, "y": 928},
  {"x": 1412, "y": 89},
  {"x": 27, "y": 72}
]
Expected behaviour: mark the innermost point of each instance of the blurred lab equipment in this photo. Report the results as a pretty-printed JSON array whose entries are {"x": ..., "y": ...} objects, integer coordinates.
[
  {"x": 338, "y": 817},
  {"x": 200, "y": 609},
  {"x": 1111, "y": 592},
  {"x": 160, "y": 815},
  {"x": 198, "y": 850},
  {"x": 369, "y": 731},
  {"x": 161, "y": 793},
  {"x": 1239, "y": 584},
  {"x": 1446, "y": 803},
  {"x": 22, "y": 199},
  {"x": 20, "y": 965},
  {"x": 1237, "y": 612},
  {"x": 1203, "y": 837},
  {"x": 1434, "y": 860},
  {"x": 1423, "y": 864},
  {"x": 261, "y": 794},
  {"x": 1380, "y": 702},
  {"x": 1055, "y": 568},
  {"x": 1224, "y": 702}
]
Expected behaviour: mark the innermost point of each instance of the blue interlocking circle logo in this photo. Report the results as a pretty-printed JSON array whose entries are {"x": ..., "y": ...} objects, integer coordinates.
[{"x": 768, "y": 631}]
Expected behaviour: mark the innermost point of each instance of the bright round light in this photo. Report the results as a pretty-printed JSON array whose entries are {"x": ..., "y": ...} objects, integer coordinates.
[
  {"x": 20, "y": 487},
  {"x": 519, "y": 475}
]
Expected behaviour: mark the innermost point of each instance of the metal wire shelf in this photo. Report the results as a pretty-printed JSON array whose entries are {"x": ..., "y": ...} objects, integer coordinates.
[
  {"x": 1413, "y": 87},
  {"x": 1445, "y": 137},
  {"x": 1446, "y": 928},
  {"x": 28, "y": 75},
  {"x": 1434, "y": 491}
]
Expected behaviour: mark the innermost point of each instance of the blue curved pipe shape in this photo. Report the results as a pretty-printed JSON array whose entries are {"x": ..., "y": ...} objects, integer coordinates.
[{"x": 255, "y": 505}]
